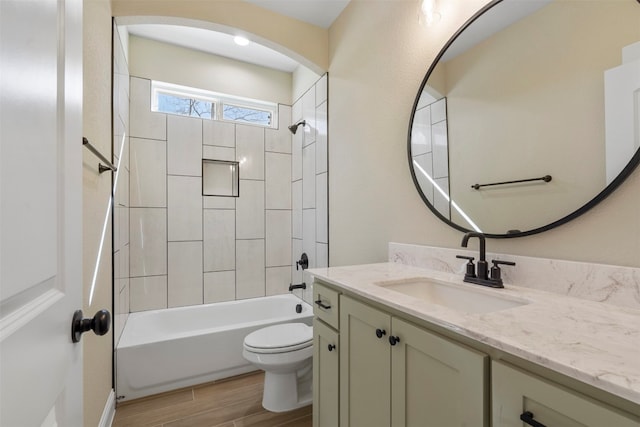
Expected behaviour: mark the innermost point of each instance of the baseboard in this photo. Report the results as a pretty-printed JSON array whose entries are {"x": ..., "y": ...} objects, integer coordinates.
[{"x": 109, "y": 411}]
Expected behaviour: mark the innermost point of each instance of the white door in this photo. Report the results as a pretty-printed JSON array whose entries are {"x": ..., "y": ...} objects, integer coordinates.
[{"x": 40, "y": 211}]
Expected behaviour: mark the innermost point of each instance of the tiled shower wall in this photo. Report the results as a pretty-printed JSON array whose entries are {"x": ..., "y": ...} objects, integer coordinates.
[
  {"x": 121, "y": 186},
  {"x": 309, "y": 182},
  {"x": 188, "y": 249}
]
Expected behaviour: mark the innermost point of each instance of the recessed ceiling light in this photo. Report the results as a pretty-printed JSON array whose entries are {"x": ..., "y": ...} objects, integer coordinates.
[{"x": 241, "y": 41}]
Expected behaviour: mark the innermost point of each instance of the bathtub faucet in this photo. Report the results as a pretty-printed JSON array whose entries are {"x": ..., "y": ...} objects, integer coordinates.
[
  {"x": 302, "y": 285},
  {"x": 304, "y": 262}
]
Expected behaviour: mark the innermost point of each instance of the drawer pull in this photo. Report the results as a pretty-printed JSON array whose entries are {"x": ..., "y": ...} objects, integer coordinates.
[
  {"x": 527, "y": 417},
  {"x": 321, "y": 305},
  {"x": 331, "y": 347},
  {"x": 394, "y": 340},
  {"x": 380, "y": 333}
]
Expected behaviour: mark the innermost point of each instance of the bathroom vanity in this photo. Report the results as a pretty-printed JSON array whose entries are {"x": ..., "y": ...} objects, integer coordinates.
[{"x": 398, "y": 345}]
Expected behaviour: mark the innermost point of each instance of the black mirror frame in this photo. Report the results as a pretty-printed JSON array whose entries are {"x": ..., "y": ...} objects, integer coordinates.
[{"x": 622, "y": 176}]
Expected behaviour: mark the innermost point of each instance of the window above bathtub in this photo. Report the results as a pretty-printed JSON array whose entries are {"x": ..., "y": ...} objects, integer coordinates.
[{"x": 187, "y": 101}]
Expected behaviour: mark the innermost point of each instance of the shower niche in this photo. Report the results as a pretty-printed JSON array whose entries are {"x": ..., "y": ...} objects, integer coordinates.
[{"x": 220, "y": 178}]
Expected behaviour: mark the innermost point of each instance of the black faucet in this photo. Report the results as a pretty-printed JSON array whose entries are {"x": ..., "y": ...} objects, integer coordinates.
[
  {"x": 482, "y": 268},
  {"x": 480, "y": 276}
]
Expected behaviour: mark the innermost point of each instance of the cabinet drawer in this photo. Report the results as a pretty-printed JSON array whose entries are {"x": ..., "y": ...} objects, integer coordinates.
[
  {"x": 325, "y": 304},
  {"x": 517, "y": 393}
]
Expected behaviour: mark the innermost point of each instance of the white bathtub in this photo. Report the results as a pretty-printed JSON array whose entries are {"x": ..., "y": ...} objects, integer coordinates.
[{"x": 162, "y": 350}]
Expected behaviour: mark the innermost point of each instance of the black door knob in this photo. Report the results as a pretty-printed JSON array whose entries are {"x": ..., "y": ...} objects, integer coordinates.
[
  {"x": 331, "y": 347},
  {"x": 99, "y": 324},
  {"x": 394, "y": 340},
  {"x": 380, "y": 333}
]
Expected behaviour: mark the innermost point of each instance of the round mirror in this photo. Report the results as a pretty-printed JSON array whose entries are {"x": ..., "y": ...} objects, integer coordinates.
[{"x": 530, "y": 115}]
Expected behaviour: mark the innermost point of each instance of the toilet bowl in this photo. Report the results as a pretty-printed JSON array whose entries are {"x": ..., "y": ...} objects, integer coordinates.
[{"x": 284, "y": 352}]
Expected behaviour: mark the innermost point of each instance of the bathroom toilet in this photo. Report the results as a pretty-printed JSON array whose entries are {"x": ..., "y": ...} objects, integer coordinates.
[{"x": 285, "y": 353}]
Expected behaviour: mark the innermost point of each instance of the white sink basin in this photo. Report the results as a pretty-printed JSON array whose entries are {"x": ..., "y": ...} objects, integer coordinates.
[{"x": 451, "y": 295}]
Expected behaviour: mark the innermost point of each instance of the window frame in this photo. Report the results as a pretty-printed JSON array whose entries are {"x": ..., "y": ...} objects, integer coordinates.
[{"x": 218, "y": 101}]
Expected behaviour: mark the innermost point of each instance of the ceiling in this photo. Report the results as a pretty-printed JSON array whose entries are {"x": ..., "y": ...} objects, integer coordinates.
[{"x": 320, "y": 13}]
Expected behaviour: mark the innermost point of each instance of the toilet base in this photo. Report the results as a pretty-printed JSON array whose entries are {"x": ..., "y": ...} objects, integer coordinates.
[{"x": 286, "y": 392}]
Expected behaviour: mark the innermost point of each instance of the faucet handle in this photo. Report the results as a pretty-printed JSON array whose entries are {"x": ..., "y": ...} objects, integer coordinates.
[
  {"x": 471, "y": 268},
  {"x": 496, "y": 273},
  {"x": 497, "y": 261}
]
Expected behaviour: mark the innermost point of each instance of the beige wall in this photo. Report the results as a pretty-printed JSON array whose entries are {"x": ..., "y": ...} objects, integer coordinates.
[
  {"x": 303, "y": 42},
  {"x": 164, "y": 62},
  {"x": 378, "y": 56},
  {"x": 96, "y": 192}
]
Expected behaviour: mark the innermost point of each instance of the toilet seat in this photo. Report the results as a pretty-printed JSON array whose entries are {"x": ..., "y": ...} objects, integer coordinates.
[{"x": 281, "y": 338}]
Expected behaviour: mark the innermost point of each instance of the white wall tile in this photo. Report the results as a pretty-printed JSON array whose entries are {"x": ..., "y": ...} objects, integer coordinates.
[
  {"x": 250, "y": 151},
  {"x": 309, "y": 176},
  {"x": 296, "y": 111},
  {"x": 185, "y": 285},
  {"x": 250, "y": 210},
  {"x": 278, "y": 181},
  {"x": 321, "y": 90},
  {"x": 120, "y": 316},
  {"x": 278, "y": 280},
  {"x": 309, "y": 115},
  {"x": 440, "y": 150},
  {"x": 219, "y": 153},
  {"x": 425, "y": 161},
  {"x": 322, "y": 215},
  {"x": 321, "y": 139},
  {"x": 213, "y": 202},
  {"x": 143, "y": 122},
  {"x": 322, "y": 255},
  {"x": 296, "y": 195},
  {"x": 218, "y": 133},
  {"x": 219, "y": 239},
  {"x": 278, "y": 240},
  {"x": 122, "y": 188},
  {"x": 219, "y": 286},
  {"x": 439, "y": 201},
  {"x": 148, "y": 241},
  {"x": 117, "y": 218},
  {"x": 439, "y": 110},
  {"x": 184, "y": 208},
  {"x": 184, "y": 146},
  {"x": 250, "y": 269},
  {"x": 124, "y": 263},
  {"x": 123, "y": 228},
  {"x": 421, "y": 132},
  {"x": 279, "y": 140},
  {"x": 147, "y": 293},
  {"x": 296, "y": 273},
  {"x": 148, "y": 173},
  {"x": 309, "y": 235},
  {"x": 296, "y": 160}
]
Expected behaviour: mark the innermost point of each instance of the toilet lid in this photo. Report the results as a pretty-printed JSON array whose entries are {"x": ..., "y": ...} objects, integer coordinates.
[{"x": 280, "y": 338}]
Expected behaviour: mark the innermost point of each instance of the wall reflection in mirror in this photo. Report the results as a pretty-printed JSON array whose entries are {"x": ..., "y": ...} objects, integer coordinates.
[{"x": 529, "y": 89}]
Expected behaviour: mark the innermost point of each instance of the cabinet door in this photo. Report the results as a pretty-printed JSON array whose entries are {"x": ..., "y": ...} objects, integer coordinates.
[
  {"x": 365, "y": 381},
  {"x": 436, "y": 382},
  {"x": 325, "y": 375},
  {"x": 515, "y": 392}
]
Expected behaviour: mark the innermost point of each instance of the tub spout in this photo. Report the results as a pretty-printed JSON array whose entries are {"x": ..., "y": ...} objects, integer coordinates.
[{"x": 302, "y": 285}]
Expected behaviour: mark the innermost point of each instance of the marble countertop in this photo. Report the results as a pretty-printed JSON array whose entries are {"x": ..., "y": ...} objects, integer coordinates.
[{"x": 595, "y": 343}]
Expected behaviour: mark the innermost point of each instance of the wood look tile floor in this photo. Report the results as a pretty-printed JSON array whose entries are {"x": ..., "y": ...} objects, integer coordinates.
[{"x": 234, "y": 402}]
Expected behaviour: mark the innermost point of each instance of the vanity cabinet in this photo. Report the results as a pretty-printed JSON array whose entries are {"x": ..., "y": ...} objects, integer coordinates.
[
  {"x": 326, "y": 361},
  {"x": 326, "y": 374},
  {"x": 516, "y": 393},
  {"x": 393, "y": 373}
]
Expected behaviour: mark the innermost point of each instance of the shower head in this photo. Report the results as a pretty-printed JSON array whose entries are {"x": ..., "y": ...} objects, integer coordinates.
[{"x": 294, "y": 128}]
